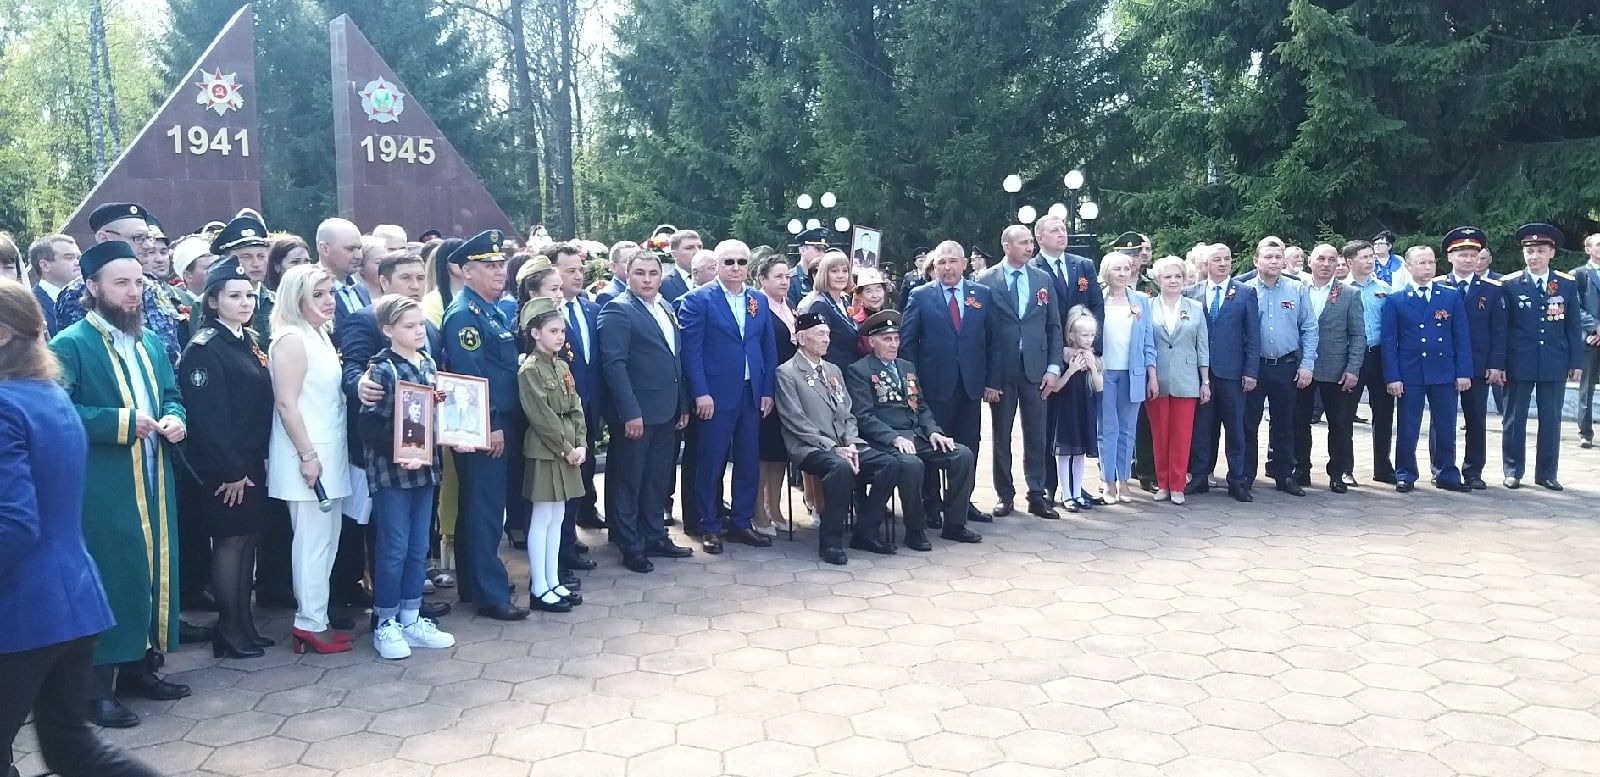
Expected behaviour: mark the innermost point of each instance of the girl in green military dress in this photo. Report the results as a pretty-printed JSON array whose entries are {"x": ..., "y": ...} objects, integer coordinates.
[{"x": 553, "y": 449}]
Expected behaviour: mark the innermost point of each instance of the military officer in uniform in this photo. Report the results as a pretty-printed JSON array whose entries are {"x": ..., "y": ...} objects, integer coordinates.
[
  {"x": 886, "y": 397},
  {"x": 478, "y": 340},
  {"x": 1429, "y": 357},
  {"x": 1485, "y": 302},
  {"x": 811, "y": 245},
  {"x": 1544, "y": 348}
]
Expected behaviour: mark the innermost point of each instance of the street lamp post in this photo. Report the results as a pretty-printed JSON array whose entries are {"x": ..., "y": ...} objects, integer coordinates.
[{"x": 828, "y": 201}]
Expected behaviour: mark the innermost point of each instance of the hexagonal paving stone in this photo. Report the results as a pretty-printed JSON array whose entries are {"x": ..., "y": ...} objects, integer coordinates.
[{"x": 770, "y": 759}]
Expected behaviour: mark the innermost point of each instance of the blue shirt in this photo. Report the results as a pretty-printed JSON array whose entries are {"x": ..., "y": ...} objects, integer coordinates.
[
  {"x": 1386, "y": 268},
  {"x": 735, "y": 300},
  {"x": 1374, "y": 292},
  {"x": 1286, "y": 321},
  {"x": 961, "y": 295}
]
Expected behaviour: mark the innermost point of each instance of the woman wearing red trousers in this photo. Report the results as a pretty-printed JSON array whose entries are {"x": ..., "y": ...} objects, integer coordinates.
[{"x": 1183, "y": 358}]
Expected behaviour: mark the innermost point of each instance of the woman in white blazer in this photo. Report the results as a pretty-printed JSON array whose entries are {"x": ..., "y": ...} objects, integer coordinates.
[
  {"x": 1128, "y": 352},
  {"x": 1183, "y": 360}
]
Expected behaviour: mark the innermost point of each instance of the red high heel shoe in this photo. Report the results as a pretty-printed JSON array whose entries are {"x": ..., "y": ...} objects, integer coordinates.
[{"x": 317, "y": 644}]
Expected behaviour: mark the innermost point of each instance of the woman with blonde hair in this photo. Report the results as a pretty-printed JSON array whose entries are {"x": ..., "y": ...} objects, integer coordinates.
[
  {"x": 308, "y": 462},
  {"x": 1127, "y": 346},
  {"x": 831, "y": 299}
]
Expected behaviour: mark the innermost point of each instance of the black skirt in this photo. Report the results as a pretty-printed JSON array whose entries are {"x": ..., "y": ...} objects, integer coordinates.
[{"x": 247, "y": 517}]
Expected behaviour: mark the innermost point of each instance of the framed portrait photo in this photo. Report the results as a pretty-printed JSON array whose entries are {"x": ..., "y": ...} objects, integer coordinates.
[
  {"x": 865, "y": 247},
  {"x": 413, "y": 423},
  {"x": 463, "y": 420}
]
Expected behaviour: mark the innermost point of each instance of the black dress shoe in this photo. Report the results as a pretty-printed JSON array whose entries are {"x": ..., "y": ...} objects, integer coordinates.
[
  {"x": 979, "y": 516},
  {"x": 260, "y": 641},
  {"x": 570, "y": 581},
  {"x": 580, "y": 547},
  {"x": 577, "y": 562},
  {"x": 1196, "y": 487},
  {"x": 1384, "y": 477},
  {"x": 749, "y": 537},
  {"x": 189, "y": 633},
  {"x": 1337, "y": 486},
  {"x": 669, "y": 521},
  {"x": 1288, "y": 486},
  {"x": 834, "y": 556},
  {"x": 1513, "y": 483},
  {"x": 871, "y": 545},
  {"x": 109, "y": 713},
  {"x": 1303, "y": 479},
  {"x": 1404, "y": 486},
  {"x": 149, "y": 686},
  {"x": 221, "y": 648},
  {"x": 1148, "y": 486},
  {"x": 559, "y": 605},
  {"x": 1042, "y": 509},
  {"x": 668, "y": 550},
  {"x": 934, "y": 519},
  {"x": 1586, "y": 444},
  {"x": 1550, "y": 483},
  {"x": 962, "y": 534},
  {"x": 712, "y": 545},
  {"x": 1477, "y": 484},
  {"x": 1445, "y": 485},
  {"x": 918, "y": 541},
  {"x": 503, "y": 612},
  {"x": 1349, "y": 480},
  {"x": 1001, "y": 509},
  {"x": 638, "y": 564},
  {"x": 1241, "y": 494},
  {"x": 434, "y": 610}
]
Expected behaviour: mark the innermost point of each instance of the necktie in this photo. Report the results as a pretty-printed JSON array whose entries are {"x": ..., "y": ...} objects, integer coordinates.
[
  {"x": 1019, "y": 292},
  {"x": 1425, "y": 299},
  {"x": 1059, "y": 270},
  {"x": 955, "y": 309},
  {"x": 1216, "y": 302},
  {"x": 575, "y": 332}
]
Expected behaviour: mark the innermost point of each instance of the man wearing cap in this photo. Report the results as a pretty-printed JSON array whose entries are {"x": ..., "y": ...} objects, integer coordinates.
[
  {"x": 478, "y": 340},
  {"x": 820, "y": 432},
  {"x": 1588, "y": 277},
  {"x": 55, "y": 261},
  {"x": 1429, "y": 358},
  {"x": 1027, "y": 324},
  {"x": 921, "y": 272},
  {"x": 1484, "y": 299},
  {"x": 810, "y": 246},
  {"x": 1076, "y": 284},
  {"x": 647, "y": 404},
  {"x": 130, "y": 223},
  {"x": 1544, "y": 349},
  {"x": 128, "y": 398},
  {"x": 891, "y": 415},
  {"x": 729, "y": 359}
]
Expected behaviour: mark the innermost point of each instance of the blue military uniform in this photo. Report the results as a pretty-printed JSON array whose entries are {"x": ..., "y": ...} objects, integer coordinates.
[
  {"x": 800, "y": 281},
  {"x": 1429, "y": 350},
  {"x": 479, "y": 340},
  {"x": 1544, "y": 342},
  {"x": 1486, "y": 323}
]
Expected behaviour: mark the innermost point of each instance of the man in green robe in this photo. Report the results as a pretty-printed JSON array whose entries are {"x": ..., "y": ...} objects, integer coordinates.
[{"x": 116, "y": 372}]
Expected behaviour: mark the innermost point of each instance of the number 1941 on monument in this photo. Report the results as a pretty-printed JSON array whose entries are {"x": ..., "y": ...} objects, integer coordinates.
[
  {"x": 388, "y": 148},
  {"x": 198, "y": 140}
]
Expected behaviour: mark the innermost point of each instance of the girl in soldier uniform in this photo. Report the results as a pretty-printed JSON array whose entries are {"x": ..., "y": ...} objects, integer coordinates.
[
  {"x": 553, "y": 449},
  {"x": 227, "y": 391}
]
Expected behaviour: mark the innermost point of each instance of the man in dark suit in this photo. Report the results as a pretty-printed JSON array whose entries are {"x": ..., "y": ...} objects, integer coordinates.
[
  {"x": 1588, "y": 278},
  {"x": 1234, "y": 327},
  {"x": 684, "y": 244},
  {"x": 729, "y": 357},
  {"x": 1076, "y": 284},
  {"x": 1027, "y": 329},
  {"x": 55, "y": 261},
  {"x": 619, "y": 256},
  {"x": 886, "y": 397},
  {"x": 646, "y": 405},
  {"x": 1430, "y": 357},
  {"x": 1341, "y": 348},
  {"x": 1485, "y": 301},
  {"x": 1544, "y": 348},
  {"x": 948, "y": 336},
  {"x": 810, "y": 246},
  {"x": 583, "y": 358}
]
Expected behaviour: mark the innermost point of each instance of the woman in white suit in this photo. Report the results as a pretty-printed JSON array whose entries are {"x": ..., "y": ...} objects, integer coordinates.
[
  {"x": 307, "y": 446},
  {"x": 1128, "y": 352},
  {"x": 1183, "y": 360}
]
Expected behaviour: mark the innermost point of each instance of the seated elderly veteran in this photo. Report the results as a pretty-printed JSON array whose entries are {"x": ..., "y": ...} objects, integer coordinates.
[
  {"x": 886, "y": 397},
  {"x": 821, "y": 436}
]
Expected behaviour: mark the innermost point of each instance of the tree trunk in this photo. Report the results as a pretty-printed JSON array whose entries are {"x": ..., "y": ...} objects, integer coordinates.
[{"x": 523, "y": 108}]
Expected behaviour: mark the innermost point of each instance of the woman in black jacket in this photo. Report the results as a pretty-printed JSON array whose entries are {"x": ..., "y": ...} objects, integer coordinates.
[{"x": 227, "y": 391}]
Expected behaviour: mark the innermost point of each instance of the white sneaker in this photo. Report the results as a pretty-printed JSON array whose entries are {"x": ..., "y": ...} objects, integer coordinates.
[
  {"x": 1162, "y": 494},
  {"x": 427, "y": 586},
  {"x": 390, "y": 642},
  {"x": 1177, "y": 497},
  {"x": 424, "y": 634},
  {"x": 811, "y": 521},
  {"x": 768, "y": 531}
]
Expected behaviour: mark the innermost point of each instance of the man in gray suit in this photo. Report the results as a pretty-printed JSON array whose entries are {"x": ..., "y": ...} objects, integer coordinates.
[
  {"x": 649, "y": 403},
  {"x": 820, "y": 432},
  {"x": 1027, "y": 324},
  {"x": 1342, "y": 347},
  {"x": 1588, "y": 277}
]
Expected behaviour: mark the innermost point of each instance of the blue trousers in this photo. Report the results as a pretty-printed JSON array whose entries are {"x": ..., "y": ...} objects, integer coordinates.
[
  {"x": 1475, "y": 412},
  {"x": 1119, "y": 417},
  {"x": 638, "y": 475},
  {"x": 1514, "y": 426},
  {"x": 403, "y": 518},
  {"x": 1442, "y": 401},
  {"x": 735, "y": 430},
  {"x": 482, "y": 517},
  {"x": 1222, "y": 417}
]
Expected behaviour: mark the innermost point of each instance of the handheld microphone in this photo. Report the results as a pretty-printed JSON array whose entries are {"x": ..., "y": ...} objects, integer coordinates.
[{"x": 323, "y": 502}]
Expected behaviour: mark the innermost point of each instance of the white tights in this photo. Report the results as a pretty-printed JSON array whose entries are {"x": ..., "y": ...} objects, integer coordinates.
[
  {"x": 544, "y": 546},
  {"x": 1069, "y": 471}
]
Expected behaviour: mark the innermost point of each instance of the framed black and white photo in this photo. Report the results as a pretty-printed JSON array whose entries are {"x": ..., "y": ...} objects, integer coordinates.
[
  {"x": 865, "y": 245},
  {"x": 413, "y": 423},
  {"x": 464, "y": 411}
]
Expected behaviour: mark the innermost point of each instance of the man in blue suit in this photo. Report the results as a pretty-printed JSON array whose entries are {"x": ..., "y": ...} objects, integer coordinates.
[
  {"x": 55, "y": 260},
  {"x": 619, "y": 256},
  {"x": 646, "y": 406},
  {"x": 583, "y": 357},
  {"x": 1429, "y": 358},
  {"x": 730, "y": 360},
  {"x": 1485, "y": 302},
  {"x": 1234, "y": 327},
  {"x": 1544, "y": 349},
  {"x": 1076, "y": 283},
  {"x": 946, "y": 333},
  {"x": 684, "y": 244}
]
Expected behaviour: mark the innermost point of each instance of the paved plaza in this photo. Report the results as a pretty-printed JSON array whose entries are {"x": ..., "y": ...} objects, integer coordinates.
[{"x": 1373, "y": 633}]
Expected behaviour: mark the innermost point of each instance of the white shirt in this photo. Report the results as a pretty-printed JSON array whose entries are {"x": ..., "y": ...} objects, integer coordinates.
[
  {"x": 51, "y": 289},
  {"x": 668, "y": 330},
  {"x": 736, "y": 306},
  {"x": 1168, "y": 316},
  {"x": 574, "y": 314},
  {"x": 1319, "y": 298}
]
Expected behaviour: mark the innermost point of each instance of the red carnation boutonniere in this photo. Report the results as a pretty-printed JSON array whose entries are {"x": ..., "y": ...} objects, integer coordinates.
[
  {"x": 972, "y": 302},
  {"x": 1333, "y": 293},
  {"x": 1041, "y": 297},
  {"x": 1083, "y": 284},
  {"x": 566, "y": 380},
  {"x": 183, "y": 312},
  {"x": 1288, "y": 304},
  {"x": 751, "y": 306},
  {"x": 1133, "y": 311},
  {"x": 1553, "y": 287},
  {"x": 1441, "y": 315},
  {"x": 1231, "y": 291}
]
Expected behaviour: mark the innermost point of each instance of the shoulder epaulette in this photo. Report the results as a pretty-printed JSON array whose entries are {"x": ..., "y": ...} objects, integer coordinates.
[
  {"x": 1512, "y": 276},
  {"x": 1491, "y": 281},
  {"x": 1561, "y": 274},
  {"x": 203, "y": 336}
]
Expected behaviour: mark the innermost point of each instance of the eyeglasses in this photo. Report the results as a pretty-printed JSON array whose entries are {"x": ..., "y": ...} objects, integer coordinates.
[
  {"x": 140, "y": 238},
  {"x": 732, "y": 262}
]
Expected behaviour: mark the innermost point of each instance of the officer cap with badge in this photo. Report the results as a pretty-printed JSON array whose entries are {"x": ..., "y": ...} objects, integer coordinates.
[
  {"x": 1539, "y": 234},
  {"x": 1465, "y": 238},
  {"x": 102, "y": 254},
  {"x": 156, "y": 232},
  {"x": 885, "y": 322},
  {"x": 1130, "y": 242},
  {"x": 536, "y": 307},
  {"x": 222, "y": 272},
  {"x": 816, "y": 238},
  {"x": 482, "y": 247},
  {"x": 116, "y": 211},
  {"x": 808, "y": 320},
  {"x": 429, "y": 235},
  {"x": 246, "y": 230}
]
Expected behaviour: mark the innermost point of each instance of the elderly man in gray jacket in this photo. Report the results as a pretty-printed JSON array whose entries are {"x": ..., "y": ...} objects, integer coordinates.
[{"x": 1342, "y": 346}]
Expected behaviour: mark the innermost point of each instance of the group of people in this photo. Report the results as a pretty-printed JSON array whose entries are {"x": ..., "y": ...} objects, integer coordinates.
[{"x": 227, "y": 402}]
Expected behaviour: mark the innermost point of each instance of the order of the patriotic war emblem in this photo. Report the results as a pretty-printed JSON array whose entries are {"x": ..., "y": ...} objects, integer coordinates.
[
  {"x": 382, "y": 101},
  {"x": 219, "y": 93}
]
